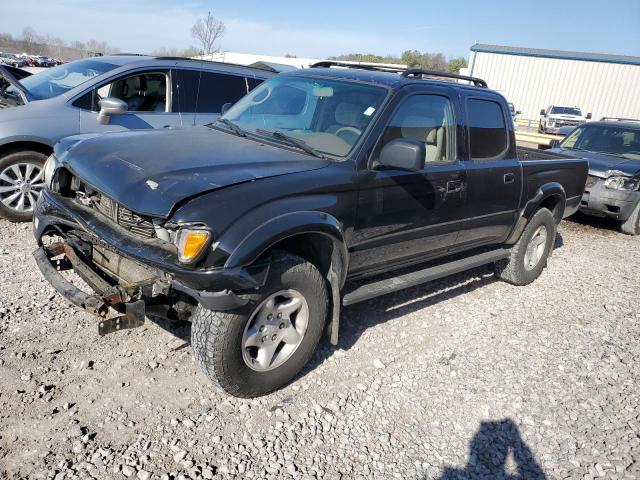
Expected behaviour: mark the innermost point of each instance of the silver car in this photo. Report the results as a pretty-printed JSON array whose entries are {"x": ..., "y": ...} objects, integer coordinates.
[{"x": 103, "y": 94}]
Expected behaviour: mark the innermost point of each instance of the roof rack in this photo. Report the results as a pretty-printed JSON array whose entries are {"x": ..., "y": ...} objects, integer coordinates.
[
  {"x": 617, "y": 119},
  {"x": 406, "y": 72},
  {"x": 415, "y": 72},
  {"x": 365, "y": 66}
]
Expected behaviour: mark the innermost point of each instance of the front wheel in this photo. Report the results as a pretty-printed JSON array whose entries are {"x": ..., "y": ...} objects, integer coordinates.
[
  {"x": 21, "y": 183},
  {"x": 263, "y": 345},
  {"x": 631, "y": 226},
  {"x": 529, "y": 255}
]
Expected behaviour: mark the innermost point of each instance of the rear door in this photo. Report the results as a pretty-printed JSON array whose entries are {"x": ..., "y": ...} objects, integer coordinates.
[
  {"x": 404, "y": 217},
  {"x": 216, "y": 89},
  {"x": 494, "y": 172}
]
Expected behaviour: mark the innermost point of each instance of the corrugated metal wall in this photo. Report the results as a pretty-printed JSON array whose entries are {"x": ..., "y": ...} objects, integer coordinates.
[{"x": 533, "y": 83}]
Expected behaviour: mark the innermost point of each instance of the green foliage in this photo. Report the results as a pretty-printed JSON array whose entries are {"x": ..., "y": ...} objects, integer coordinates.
[{"x": 411, "y": 58}]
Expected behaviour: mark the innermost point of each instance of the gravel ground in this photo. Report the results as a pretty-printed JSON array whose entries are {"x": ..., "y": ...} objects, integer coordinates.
[{"x": 463, "y": 378}]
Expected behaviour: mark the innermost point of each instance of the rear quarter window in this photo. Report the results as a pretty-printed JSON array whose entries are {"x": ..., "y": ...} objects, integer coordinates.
[{"x": 487, "y": 129}]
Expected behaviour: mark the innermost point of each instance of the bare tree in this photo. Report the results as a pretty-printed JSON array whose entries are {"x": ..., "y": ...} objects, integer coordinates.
[
  {"x": 30, "y": 39},
  {"x": 207, "y": 31}
]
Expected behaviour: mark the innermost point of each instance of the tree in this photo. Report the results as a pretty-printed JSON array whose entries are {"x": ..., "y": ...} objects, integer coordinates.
[
  {"x": 455, "y": 64},
  {"x": 30, "y": 40},
  {"x": 207, "y": 31}
]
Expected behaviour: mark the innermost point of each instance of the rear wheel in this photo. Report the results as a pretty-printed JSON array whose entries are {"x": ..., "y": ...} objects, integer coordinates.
[
  {"x": 631, "y": 226},
  {"x": 21, "y": 183},
  {"x": 529, "y": 255},
  {"x": 263, "y": 345}
]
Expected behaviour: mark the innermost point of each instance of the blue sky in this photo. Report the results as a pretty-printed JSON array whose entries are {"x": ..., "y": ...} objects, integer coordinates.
[{"x": 332, "y": 27}]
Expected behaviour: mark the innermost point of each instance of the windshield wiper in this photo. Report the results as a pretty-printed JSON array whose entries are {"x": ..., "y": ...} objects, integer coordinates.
[
  {"x": 296, "y": 142},
  {"x": 232, "y": 126}
]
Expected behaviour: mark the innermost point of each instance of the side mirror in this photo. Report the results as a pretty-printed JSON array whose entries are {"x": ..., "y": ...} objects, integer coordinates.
[
  {"x": 542, "y": 112},
  {"x": 225, "y": 108},
  {"x": 111, "y": 106},
  {"x": 588, "y": 116},
  {"x": 518, "y": 112},
  {"x": 403, "y": 155}
]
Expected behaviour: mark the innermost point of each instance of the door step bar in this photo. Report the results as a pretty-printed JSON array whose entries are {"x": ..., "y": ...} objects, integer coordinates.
[{"x": 393, "y": 284}]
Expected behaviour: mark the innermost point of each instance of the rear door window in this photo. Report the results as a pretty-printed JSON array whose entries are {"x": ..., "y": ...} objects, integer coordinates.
[
  {"x": 216, "y": 89},
  {"x": 487, "y": 129},
  {"x": 185, "y": 90}
]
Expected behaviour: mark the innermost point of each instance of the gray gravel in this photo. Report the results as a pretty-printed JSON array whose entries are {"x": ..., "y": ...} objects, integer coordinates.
[{"x": 464, "y": 378}]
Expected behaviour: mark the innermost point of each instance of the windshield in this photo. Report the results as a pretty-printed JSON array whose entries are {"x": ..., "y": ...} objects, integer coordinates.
[
  {"x": 58, "y": 80},
  {"x": 329, "y": 116},
  {"x": 566, "y": 111},
  {"x": 611, "y": 140}
]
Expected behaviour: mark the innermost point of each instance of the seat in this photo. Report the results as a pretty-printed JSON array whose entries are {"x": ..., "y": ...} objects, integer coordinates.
[
  {"x": 134, "y": 90},
  {"x": 347, "y": 115},
  {"x": 424, "y": 129}
]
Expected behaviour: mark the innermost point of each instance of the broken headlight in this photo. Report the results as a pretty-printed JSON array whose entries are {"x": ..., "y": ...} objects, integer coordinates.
[
  {"x": 49, "y": 169},
  {"x": 622, "y": 182}
]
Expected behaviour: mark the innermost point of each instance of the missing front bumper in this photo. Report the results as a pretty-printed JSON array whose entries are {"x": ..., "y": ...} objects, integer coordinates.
[{"x": 116, "y": 307}]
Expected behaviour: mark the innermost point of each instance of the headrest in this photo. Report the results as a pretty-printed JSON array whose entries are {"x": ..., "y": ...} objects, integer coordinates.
[
  {"x": 415, "y": 127},
  {"x": 348, "y": 114}
]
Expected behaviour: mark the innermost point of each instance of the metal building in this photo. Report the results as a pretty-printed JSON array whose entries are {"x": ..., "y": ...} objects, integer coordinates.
[{"x": 533, "y": 79}]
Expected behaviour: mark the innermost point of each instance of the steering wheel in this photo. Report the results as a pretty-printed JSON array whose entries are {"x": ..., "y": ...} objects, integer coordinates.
[{"x": 349, "y": 131}]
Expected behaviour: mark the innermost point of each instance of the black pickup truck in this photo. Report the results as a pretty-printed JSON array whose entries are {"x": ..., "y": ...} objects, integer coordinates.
[{"x": 259, "y": 227}]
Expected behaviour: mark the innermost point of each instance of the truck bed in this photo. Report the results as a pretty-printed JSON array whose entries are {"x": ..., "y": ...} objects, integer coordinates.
[{"x": 525, "y": 154}]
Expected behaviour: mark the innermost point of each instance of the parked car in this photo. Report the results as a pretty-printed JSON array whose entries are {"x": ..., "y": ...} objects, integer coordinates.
[
  {"x": 255, "y": 227},
  {"x": 104, "y": 94},
  {"x": 556, "y": 116},
  {"x": 12, "y": 60},
  {"x": 612, "y": 147}
]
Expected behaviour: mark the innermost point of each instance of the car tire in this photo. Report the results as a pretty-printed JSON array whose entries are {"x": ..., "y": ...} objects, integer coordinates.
[
  {"x": 16, "y": 168},
  {"x": 529, "y": 255},
  {"x": 631, "y": 226},
  {"x": 223, "y": 342},
  {"x": 540, "y": 128}
]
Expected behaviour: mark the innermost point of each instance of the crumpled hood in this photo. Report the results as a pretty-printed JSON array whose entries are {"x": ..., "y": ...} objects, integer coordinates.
[
  {"x": 600, "y": 164},
  {"x": 151, "y": 171}
]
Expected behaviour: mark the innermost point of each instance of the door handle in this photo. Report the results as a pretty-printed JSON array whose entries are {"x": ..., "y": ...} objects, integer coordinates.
[
  {"x": 454, "y": 186},
  {"x": 509, "y": 177}
]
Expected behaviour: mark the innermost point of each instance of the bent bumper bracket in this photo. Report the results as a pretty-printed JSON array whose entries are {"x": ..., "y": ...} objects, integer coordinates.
[{"x": 103, "y": 307}]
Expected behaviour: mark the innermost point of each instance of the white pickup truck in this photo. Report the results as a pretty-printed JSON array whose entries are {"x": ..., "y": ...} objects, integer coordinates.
[{"x": 557, "y": 116}]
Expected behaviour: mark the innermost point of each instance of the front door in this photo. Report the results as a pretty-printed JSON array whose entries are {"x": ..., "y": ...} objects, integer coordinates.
[
  {"x": 147, "y": 95},
  {"x": 404, "y": 217}
]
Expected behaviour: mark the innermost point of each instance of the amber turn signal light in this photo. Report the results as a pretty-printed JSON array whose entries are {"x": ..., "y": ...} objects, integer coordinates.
[{"x": 191, "y": 243}]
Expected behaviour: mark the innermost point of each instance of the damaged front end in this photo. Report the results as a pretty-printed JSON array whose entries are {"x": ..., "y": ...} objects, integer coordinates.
[
  {"x": 131, "y": 269},
  {"x": 119, "y": 307}
]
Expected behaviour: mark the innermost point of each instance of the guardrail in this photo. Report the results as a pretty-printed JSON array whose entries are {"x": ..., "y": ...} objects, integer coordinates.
[{"x": 542, "y": 140}]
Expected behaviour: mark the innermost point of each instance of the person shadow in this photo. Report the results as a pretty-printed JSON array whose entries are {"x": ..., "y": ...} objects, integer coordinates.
[{"x": 489, "y": 455}]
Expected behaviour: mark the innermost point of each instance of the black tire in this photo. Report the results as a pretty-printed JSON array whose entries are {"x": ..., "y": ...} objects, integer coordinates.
[
  {"x": 14, "y": 158},
  {"x": 631, "y": 226},
  {"x": 513, "y": 269},
  {"x": 540, "y": 128},
  {"x": 216, "y": 337}
]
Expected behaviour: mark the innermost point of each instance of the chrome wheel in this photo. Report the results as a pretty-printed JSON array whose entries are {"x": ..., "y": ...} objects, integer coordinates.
[
  {"x": 20, "y": 186},
  {"x": 535, "y": 248},
  {"x": 275, "y": 330}
]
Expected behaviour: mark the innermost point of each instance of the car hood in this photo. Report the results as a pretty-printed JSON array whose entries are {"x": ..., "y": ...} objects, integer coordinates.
[
  {"x": 600, "y": 164},
  {"x": 151, "y": 171}
]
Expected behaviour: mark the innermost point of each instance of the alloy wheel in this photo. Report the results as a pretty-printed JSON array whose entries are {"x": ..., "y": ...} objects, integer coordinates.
[
  {"x": 535, "y": 248},
  {"x": 20, "y": 186},
  {"x": 275, "y": 330}
]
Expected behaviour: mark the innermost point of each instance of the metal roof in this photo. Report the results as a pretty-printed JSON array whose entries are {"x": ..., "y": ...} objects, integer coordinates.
[{"x": 559, "y": 54}]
